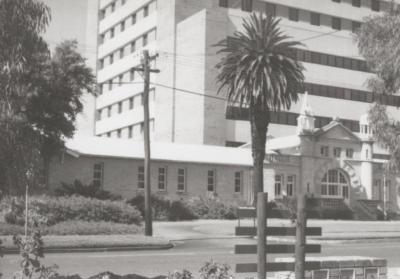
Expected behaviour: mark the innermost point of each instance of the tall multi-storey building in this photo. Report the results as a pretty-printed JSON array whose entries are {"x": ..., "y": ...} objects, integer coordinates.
[{"x": 184, "y": 104}]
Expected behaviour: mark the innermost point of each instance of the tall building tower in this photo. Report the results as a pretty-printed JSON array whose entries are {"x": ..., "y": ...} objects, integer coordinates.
[{"x": 185, "y": 106}]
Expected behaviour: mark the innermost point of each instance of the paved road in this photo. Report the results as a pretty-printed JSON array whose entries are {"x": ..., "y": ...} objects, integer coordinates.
[
  {"x": 200, "y": 241},
  {"x": 188, "y": 254}
]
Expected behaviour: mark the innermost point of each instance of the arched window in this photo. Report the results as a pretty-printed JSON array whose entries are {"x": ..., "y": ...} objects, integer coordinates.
[{"x": 335, "y": 184}]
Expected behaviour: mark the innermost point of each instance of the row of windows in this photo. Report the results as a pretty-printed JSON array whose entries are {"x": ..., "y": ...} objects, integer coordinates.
[
  {"x": 250, "y": 5},
  {"x": 351, "y": 94},
  {"x": 336, "y": 152},
  {"x": 132, "y": 18},
  {"x": 331, "y": 60},
  {"x": 182, "y": 177},
  {"x": 124, "y": 105},
  {"x": 378, "y": 190},
  {"x": 127, "y": 49},
  {"x": 374, "y": 4},
  {"x": 290, "y": 185},
  {"x": 288, "y": 118},
  {"x": 294, "y": 14},
  {"x": 132, "y": 131}
]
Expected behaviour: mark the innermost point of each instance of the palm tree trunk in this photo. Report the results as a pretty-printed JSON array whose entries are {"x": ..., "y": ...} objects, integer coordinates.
[{"x": 259, "y": 121}]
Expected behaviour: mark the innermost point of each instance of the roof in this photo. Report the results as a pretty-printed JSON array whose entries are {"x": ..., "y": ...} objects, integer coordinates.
[
  {"x": 131, "y": 149},
  {"x": 283, "y": 142}
]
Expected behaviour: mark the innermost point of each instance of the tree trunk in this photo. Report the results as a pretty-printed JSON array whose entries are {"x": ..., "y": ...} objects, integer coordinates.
[{"x": 259, "y": 120}]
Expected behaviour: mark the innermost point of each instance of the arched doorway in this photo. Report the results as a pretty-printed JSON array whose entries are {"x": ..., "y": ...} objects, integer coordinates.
[{"x": 334, "y": 184}]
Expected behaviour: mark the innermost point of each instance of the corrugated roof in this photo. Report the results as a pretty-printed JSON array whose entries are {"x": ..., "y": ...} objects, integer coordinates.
[{"x": 125, "y": 148}]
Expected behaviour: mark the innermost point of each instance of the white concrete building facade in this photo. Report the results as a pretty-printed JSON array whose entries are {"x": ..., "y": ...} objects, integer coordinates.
[{"x": 184, "y": 104}]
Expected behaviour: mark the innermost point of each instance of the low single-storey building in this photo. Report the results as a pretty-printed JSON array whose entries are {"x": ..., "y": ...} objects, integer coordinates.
[{"x": 331, "y": 163}]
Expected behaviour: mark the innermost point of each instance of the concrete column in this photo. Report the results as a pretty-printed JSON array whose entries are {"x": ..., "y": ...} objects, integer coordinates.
[{"x": 367, "y": 168}]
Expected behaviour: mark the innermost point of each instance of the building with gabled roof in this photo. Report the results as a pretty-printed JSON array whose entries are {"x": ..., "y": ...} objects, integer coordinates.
[{"x": 330, "y": 163}]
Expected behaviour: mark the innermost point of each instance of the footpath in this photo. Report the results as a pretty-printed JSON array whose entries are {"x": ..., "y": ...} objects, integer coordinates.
[{"x": 166, "y": 233}]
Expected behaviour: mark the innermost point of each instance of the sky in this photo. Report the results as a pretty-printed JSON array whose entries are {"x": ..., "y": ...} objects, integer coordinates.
[{"x": 76, "y": 19}]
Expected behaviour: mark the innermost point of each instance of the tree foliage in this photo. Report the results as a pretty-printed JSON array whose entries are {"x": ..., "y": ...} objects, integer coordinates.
[
  {"x": 379, "y": 42},
  {"x": 259, "y": 71},
  {"x": 39, "y": 92}
]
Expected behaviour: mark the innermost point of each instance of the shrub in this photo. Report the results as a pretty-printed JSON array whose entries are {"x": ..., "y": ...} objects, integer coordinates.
[
  {"x": 212, "y": 208},
  {"x": 180, "y": 211},
  {"x": 91, "y": 228},
  {"x": 164, "y": 209},
  {"x": 58, "y": 209},
  {"x": 89, "y": 191},
  {"x": 213, "y": 270},
  {"x": 184, "y": 274},
  {"x": 159, "y": 206}
]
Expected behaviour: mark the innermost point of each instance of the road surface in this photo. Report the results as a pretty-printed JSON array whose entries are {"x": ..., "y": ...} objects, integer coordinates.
[{"x": 189, "y": 254}]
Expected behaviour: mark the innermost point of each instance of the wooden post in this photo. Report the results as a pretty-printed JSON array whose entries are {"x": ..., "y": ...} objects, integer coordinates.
[
  {"x": 261, "y": 234},
  {"x": 147, "y": 186},
  {"x": 148, "y": 227},
  {"x": 301, "y": 224}
]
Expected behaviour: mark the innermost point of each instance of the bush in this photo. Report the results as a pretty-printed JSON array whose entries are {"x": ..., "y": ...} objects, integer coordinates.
[
  {"x": 59, "y": 209},
  {"x": 212, "y": 208},
  {"x": 213, "y": 270},
  {"x": 163, "y": 209},
  {"x": 76, "y": 228},
  {"x": 89, "y": 191}
]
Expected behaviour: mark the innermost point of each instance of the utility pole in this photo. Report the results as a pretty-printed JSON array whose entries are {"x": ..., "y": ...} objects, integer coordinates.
[{"x": 148, "y": 227}]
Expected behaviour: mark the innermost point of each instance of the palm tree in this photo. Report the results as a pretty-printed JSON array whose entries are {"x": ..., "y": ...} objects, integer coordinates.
[{"x": 259, "y": 71}]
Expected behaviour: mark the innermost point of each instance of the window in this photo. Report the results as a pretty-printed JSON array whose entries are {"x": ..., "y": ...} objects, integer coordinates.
[
  {"x": 121, "y": 53},
  {"x": 145, "y": 40},
  {"x": 101, "y": 39},
  {"x": 119, "y": 133},
  {"x": 162, "y": 179},
  {"x": 181, "y": 180},
  {"x": 270, "y": 9},
  {"x": 356, "y": 3},
  {"x": 315, "y": 19},
  {"x": 113, "y": 7},
  {"x": 140, "y": 178},
  {"x": 324, "y": 151},
  {"x": 145, "y": 11},
  {"x": 133, "y": 18},
  {"x": 130, "y": 132},
  {"x": 334, "y": 183},
  {"x": 141, "y": 127},
  {"x": 336, "y": 23},
  {"x": 247, "y": 5},
  {"x": 336, "y": 1},
  {"x": 133, "y": 46},
  {"x": 290, "y": 185},
  {"x": 238, "y": 181},
  {"x": 223, "y": 3},
  {"x": 293, "y": 14},
  {"x": 120, "y": 79},
  {"x": 111, "y": 58},
  {"x": 123, "y": 26},
  {"x": 278, "y": 184},
  {"x": 132, "y": 74},
  {"x": 109, "y": 111},
  {"x": 109, "y": 134},
  {"x": 98, "y": 172},
  {"x": 123, "y": 2},
  {"x": 131, "y": 103},
  {"x": 112, "y": 33},
  {"x": 337, "y": 151},
  {"x": 98, "y": 115},
  {"x": 376, "y": 191},
  {"x": 349, "y": 153},
  {"x": 119, "y": 107},
  {"x": 375, "y": 5},
  {"x": 211, "y": 181},
  {"x": 102, "y": 14},
  {"x": 101, "y": 64}
]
